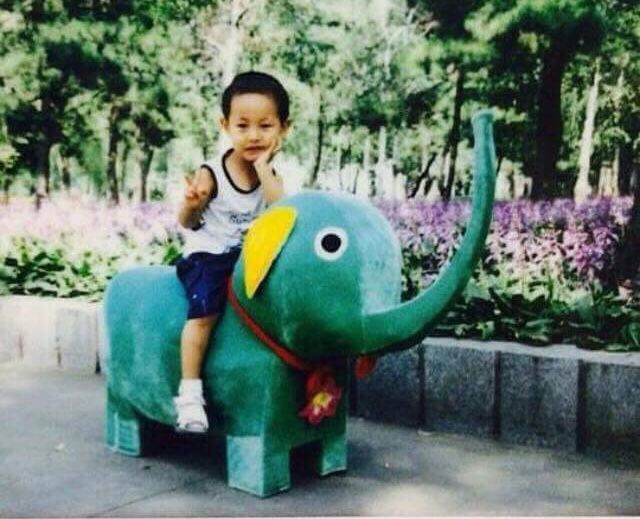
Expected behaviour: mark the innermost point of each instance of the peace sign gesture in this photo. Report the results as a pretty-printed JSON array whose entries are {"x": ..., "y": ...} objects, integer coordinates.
[{"x": 198, "y": 189}]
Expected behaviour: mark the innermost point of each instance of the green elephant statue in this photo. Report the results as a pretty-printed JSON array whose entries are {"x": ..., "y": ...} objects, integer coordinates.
[{"x": 318, "y": 282}]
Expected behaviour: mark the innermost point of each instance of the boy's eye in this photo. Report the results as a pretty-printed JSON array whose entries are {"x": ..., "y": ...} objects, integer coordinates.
[
  {"x": 266, "y": 126},
  {"x": 242, "y": 125}
]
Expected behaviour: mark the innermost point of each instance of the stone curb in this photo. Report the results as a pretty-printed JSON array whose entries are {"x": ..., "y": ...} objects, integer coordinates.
[
  {"x": 51, "y": 333},
  {"x": 558, "y": 396}
]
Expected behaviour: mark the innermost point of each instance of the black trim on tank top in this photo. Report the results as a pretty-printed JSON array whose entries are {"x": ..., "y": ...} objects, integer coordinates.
[
  {"x": 226, "y": 172},
  {"x": 224, "y": 167},
  {"x": 215, "y": 181}
]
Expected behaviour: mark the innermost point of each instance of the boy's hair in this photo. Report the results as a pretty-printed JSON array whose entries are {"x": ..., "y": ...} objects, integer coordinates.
[{"x": 253, "y": 82}]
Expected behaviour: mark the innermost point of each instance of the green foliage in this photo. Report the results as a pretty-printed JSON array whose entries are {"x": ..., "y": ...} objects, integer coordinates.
[
  {"x": 352, "y": 68},
  {"x": 35, "y": 267},
  {"x": 533, "y": 311},
  {"x": 494, "y": 306}
]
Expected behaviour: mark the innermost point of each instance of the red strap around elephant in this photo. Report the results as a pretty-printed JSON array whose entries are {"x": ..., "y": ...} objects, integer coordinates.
[
  {"x": 322, "y": 392},
  {"x": 285, "y": 355},
  {"x": 365, "y": 365}
]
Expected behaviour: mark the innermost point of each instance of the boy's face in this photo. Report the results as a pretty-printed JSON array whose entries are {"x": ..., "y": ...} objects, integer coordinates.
[{"x": 253, "y": 125}]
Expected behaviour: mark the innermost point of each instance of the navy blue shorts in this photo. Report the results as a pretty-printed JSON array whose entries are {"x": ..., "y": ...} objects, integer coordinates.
[{"x": 204, "y": 277}]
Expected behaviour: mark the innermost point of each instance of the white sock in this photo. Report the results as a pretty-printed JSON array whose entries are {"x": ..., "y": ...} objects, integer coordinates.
[{"x": 190, "y": 387}]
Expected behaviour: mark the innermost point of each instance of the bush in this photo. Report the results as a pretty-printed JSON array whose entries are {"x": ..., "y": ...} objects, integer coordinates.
[
  {"x": 73, "y": 249},
  {"x": 545, "y": 275}
]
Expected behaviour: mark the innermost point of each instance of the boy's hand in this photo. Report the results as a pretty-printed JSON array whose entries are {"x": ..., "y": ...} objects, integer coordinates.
[
  {"x": 264, "y": 163},
  {"x": 196, "y": 192}
]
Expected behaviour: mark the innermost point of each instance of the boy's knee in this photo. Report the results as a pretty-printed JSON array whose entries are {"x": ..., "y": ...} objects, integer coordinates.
[{"x": 203, "y": 323}]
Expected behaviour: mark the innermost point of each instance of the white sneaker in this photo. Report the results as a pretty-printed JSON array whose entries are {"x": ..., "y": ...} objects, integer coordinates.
[{"x": 191, "y": 415}]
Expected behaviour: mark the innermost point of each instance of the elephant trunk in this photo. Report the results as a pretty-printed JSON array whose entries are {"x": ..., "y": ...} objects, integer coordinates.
[{"x": 407, "y": 323}]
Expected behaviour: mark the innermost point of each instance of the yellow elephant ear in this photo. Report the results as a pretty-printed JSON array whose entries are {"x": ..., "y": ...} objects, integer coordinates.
[{"x": 264, "y": 241}]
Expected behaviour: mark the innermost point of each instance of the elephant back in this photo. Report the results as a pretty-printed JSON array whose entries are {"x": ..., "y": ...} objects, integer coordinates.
[{"x": 145, "y": 309}]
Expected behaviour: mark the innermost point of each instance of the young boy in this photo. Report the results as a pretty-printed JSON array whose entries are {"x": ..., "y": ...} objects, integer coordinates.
[{"x": 219, "y": 204}]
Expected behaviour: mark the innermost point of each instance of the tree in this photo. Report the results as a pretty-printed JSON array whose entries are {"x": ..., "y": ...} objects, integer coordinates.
[
  {"x": 304, "y": 53},
  {"x": 623, "y": 130},
  {"x": 551, "y": 32},
  {"x": 461, "y": 52},
  {"x": 153, "y": 128},
  {"x": 63, "y": 62},
  {"x": 583, "y": 189},
  {"x": 73, "y": 47}
]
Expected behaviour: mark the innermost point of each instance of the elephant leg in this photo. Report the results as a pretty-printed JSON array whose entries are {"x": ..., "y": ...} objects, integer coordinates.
[
  {"x": 332, "y": 456},
  {"x": 124, "y": 427},
  {"x": 256, "y": 469}
]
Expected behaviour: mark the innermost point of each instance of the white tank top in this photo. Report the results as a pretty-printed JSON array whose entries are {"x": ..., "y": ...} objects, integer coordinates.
[{"x": 228, "y": 215}]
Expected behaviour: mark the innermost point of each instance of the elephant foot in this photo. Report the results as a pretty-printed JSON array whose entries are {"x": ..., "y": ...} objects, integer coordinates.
[
  {"x": 124, "y": 428},
  {"x": 332, "y": 456},
  {"x": 254, "y": 468}
]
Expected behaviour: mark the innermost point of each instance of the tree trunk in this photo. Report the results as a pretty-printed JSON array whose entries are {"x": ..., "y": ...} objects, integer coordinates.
[
  {"x": 337, "y": 169},
  {"x": 354, "y": 184},
  {"x": 454, "y": 134},
  {"x": 123, "y": 157},
  {"x": 232, "y": 43},
  {"x": 626, "y": 168},
  {"x": 36, "y": 13},
  {"x": 549, "y": 123},
  {"x": 366, "y": 165},
  {"x": 145, "y": 167},
  {"x": 611, "y": 189},
  {"x": 43, "y": 168},
  {"x": 424, "y": 175},
  {"x": 381, "y": 186},
  {"x": 42, "y": 181},
  {"x": 444, "y": 166},
  {"x": 112, "y": 154},
  {"x": 230, "y": 50},
  {"x": 65, "y": 173},
  {"x": 627, "y": 259},
  {"x": 618, "y": 160},
  {"x": 583, "y": 189},
  {"x": 6, "y": 184},
  {"x": 319, "y": 144},
  {"x": 382, "y": 145}
]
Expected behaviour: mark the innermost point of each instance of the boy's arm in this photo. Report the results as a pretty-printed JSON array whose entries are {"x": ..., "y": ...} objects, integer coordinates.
[
  {"x": 199, "y": 191},
  {"x": 272, "y": 185}
]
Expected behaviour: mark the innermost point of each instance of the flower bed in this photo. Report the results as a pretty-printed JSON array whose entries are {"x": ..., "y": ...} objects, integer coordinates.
[
  {"x": 72, "y": 249},
  {"x": 543, "y": 277}
]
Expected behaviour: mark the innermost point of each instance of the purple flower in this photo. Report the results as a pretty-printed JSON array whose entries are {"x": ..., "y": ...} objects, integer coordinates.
[{"x": 556, "y": 237}]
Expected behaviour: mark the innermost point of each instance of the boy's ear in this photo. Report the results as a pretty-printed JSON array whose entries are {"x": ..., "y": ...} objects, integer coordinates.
[
  {"x": 286, "y": 127},
  {"x": 224, "y": 123}
]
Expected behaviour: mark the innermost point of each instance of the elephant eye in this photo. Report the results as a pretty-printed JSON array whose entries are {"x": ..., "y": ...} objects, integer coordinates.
[{"x": 331, "y": 242}]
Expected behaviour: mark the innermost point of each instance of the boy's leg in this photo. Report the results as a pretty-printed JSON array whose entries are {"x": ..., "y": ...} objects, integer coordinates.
[
  {"x": 193, "y": 344},
  {"x": 190, "y": 402}
]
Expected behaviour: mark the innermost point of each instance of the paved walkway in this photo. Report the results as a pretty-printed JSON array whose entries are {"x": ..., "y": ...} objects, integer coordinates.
[{"x": 53, "y": 462}]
